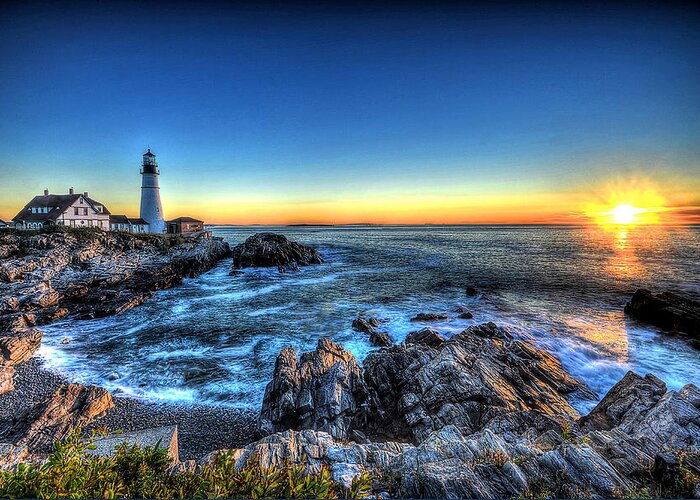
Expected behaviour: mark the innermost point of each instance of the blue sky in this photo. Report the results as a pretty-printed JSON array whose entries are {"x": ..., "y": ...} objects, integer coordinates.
[{"x": 296, "y": 105}]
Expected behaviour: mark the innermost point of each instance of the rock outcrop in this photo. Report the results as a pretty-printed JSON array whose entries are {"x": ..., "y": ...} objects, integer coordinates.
[
  {"x": 35, "y": 430},
  {"x": 89, "y": 274},
  {"x": 639, "y": 440},
  {"x": 630, "y": 397},
  {"x": 273, "y": 250},
  {"x": 323, "y": 390},
  {"x": 483, "y": 377},
  {"x": 668, "y": 311},
  {"x": 16, "y": 347},
  {"x": 19, "y": 347},
  {"x": 369, "y": 326},
  {"x": 425, "y": 336}
]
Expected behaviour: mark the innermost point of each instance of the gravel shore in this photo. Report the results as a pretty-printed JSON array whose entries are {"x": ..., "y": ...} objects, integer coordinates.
[{"x": 202, "y": 429}]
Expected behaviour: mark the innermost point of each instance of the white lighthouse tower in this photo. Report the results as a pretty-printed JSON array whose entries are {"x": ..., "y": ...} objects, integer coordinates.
[{"x": 151, "y": 208}]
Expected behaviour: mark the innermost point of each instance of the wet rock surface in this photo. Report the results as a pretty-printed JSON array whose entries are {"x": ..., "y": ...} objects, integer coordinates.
[
  {"x": 425, "y": 336},
  {"x": 87, "y": 274},
  {"x": 667, "y": 310},
  {"x": 429, "y": 317},
  {"x": 273, "y": 250},
  {"x": 369, "y": 326}
]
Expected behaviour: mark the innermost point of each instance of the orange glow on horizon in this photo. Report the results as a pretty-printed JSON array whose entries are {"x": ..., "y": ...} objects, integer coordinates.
[{"x": 619, "y": 203}]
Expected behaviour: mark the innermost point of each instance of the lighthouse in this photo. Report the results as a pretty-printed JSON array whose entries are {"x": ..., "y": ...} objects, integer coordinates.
[{"x": 151, "y": 208}]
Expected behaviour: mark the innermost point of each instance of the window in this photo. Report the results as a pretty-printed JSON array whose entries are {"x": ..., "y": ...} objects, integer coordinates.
[
  {"x": 81, "y": 200},
  {"x": 76, "y": 210}
]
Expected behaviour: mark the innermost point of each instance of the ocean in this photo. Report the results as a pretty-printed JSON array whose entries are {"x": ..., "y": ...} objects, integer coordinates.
[{"x": 214, "y": 339}]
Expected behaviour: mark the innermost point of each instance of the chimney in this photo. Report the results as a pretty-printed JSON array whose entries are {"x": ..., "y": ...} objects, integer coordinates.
[
  {"x": 70, "y": 191},
  {"x": 46, "y": 192},
  {"x": 85, "y": 194}
]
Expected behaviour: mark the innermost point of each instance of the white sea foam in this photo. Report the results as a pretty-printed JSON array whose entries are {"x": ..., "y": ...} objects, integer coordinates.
[{"x": 231, "y": 328}]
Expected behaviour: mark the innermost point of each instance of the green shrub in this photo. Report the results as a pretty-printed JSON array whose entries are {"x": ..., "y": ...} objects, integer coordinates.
[{"x": 134, "y": 472}]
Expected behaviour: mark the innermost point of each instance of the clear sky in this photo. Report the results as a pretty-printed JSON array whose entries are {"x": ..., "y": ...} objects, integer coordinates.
[{"x": 397, "y": 113}]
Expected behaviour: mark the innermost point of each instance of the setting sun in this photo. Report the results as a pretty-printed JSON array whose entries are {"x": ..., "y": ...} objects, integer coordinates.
[
  {"x": 632, "y": 202},
  {"x": 625, "y": 214}
]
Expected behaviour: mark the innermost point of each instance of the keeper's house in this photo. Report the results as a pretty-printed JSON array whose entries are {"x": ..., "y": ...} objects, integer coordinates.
[
  {"x": 73, "y": 210},
  {"x": 129, "y": 224},
  {"x": 185, "y": 226}
]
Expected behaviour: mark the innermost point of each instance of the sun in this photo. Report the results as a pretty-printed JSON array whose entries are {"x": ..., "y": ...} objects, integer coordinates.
[
  {"x": 625, "y": 214},
  {"x": 626, "y": 203}
]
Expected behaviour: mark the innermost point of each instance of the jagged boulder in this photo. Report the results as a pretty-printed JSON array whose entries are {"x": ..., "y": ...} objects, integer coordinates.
[
  {"x": 17, "y": 348},
  {"x": 482, "y": 376},
  {"x": 631, "y": 396},
  {"x": 368, "y": 326},
  {"x": 70, "y": 406},
  {"x": 322, "y": 391},
  {"x": 425, "y": 336},
  {"x": 273, "y": 250},
  {"x": 667, "y": 310}
]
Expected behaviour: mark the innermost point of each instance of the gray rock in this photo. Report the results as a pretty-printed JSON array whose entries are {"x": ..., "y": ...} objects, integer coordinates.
[
  {"x": 485, "y": 410},
  {"x": 628, "y": 398},
  {"x": 94, "y": 275},
  {"x": 666, "y": 310},
  {"x": 323, "y": 391},
  {"x": 426, "y": 336},
  {"x": 273, "y": 250},
  {"x": 477, "y": 378},
  {"x": 376, "y": 338},
  {"x": 429, "y": 317}
]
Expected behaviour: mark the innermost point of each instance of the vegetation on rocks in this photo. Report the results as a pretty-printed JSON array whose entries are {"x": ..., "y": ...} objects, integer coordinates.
[{"x": 71, "y": 471}]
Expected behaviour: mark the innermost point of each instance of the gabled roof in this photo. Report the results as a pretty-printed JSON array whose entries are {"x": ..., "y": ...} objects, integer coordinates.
[
  {"x": 92, "y": 202},
  {"x": 123, "y": 219},
  {"x": 58, "y": 203},
  {"x": 186, "y": 219}
]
